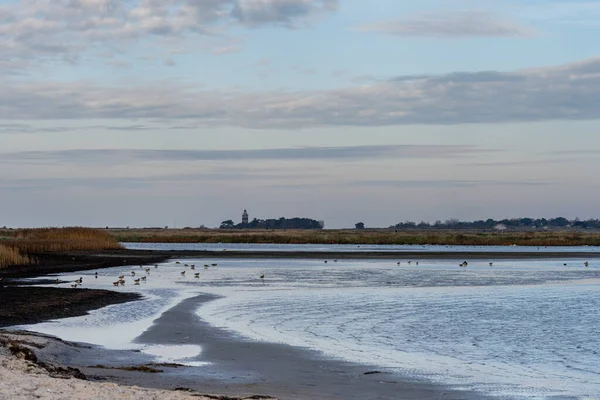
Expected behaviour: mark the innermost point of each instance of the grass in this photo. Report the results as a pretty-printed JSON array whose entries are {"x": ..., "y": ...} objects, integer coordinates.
[
  {"x": 357, "y": 237},
  {"x": 16, "y": 246}
]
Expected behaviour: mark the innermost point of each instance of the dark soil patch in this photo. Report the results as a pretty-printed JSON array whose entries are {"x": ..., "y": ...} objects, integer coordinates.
[
  {"x": 53, "y": 263},
  {"x": 136, "y": 368},
  {"x": 28, "y": 305}
]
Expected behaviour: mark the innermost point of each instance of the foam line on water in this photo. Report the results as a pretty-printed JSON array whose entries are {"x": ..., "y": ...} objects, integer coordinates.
[{"x": 180, "y": 354}]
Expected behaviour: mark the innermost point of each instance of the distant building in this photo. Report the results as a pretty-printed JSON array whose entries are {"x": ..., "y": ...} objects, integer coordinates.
[
  {"x": 500, "y": 227},
  {"x": 245, "y": 218}
]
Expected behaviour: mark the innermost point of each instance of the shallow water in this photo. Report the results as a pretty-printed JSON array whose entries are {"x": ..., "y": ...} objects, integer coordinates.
[
  {"x": 519, "y": 329},
  {"x": 351, "y": 247}
]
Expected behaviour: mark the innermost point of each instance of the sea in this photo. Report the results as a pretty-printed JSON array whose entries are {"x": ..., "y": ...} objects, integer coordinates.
[{"x": 515, "y": 329}]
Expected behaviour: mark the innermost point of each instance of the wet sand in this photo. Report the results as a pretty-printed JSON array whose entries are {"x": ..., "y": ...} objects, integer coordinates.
[
  {"x": 241, "y": 367},
  {"x": 29, "y": 305},
  {"x": 24, "y": 375},
  {"x": 23, "y": 304}
]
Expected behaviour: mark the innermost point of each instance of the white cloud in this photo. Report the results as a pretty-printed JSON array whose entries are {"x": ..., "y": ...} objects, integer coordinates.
[
  {"x": 457, "y": 24},
  {"x": 39, "y": 29},
  {"x": 568, "y": 92}
]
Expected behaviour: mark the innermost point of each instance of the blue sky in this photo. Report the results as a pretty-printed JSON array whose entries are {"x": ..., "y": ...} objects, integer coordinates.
[{"x": 145, "y": 112}]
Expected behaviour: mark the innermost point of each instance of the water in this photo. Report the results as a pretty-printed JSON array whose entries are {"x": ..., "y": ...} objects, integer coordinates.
[
  {"x": 519, "y": 329},
  {"x": 351, "y": 247}
]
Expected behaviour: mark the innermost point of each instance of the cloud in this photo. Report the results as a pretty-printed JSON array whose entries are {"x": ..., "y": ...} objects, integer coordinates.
[
  {"x": 565, "y": 92},
  {"x": 226, "y": 50},
  {"x": 131, "y": 182},
  {"x": 452, "y": 25},
  {"x": 115, "y": 156},
  {"x": 416, "y": 184},
  {"x": 15, "y": 128},
  {"x": 255, "y": 13},
  {"x": 34, "y": 30},
  {"x": 564, "y": 12}
]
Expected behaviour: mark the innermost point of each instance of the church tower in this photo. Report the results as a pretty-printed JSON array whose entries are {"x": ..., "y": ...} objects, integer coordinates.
[{"x": 245, "y": 218}]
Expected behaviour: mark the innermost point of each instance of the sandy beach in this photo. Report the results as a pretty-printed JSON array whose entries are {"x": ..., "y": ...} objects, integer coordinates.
[{"x": 23, "y": 376}]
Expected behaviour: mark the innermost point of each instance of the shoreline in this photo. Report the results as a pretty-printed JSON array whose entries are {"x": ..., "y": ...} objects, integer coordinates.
[
  {"x": 350, "y": 255},
  {"x": 29, "y": 369},
  {"x": 23, "y": 303},
  {"x": 240, "y": 368},
  {"x": 15, "y": 282}
]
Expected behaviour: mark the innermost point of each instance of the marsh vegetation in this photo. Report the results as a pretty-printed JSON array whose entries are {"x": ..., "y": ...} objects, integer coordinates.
[
  {"x": 19, "y": 246},
  {"x": 361, "y": 236}
]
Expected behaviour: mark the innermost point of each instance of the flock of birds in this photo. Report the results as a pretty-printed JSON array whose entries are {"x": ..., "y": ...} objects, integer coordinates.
[{"x": 136, "y": 281}]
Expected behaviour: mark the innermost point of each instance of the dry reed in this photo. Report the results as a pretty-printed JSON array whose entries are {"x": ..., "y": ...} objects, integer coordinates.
[
  {"x": 10, "y": 256},
  {"x": 60, "y": 239},
  {"x": 475, "y": 238}
]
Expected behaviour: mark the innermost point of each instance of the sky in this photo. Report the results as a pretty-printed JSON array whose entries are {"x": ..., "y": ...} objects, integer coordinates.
[{"x": 186, "y": 112}]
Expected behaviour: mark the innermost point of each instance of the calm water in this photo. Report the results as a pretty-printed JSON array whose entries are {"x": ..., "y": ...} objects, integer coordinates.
[
  {"x": 519, "y": 329},
  {"x": 349, "y": 247}
]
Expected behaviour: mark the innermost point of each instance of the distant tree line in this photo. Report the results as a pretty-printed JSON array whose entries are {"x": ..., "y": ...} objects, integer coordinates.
[
  {"x": 281, "y": 223},
  {"x": 513, "y": 223}
]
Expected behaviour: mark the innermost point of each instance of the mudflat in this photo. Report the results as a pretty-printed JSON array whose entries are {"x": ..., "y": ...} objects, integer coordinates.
[{"x": 21, "y": 303}]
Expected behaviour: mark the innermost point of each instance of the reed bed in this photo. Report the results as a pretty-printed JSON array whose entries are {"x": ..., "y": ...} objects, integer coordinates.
[
  {"x": 17, "y": 246},
  {"x": 10, "y": 256},
  {"x": 486, "y": 238}
]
